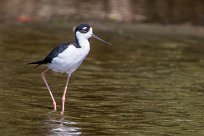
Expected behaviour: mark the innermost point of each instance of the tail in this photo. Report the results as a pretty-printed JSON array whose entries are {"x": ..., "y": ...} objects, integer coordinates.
[{"x": 40, "y": 62}]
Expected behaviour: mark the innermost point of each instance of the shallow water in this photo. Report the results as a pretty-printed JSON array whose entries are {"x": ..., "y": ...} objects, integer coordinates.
[{"x": 142, "y": 85}]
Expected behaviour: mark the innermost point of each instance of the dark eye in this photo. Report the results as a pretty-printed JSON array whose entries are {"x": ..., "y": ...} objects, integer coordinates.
[{"x": 84, "y": 30}]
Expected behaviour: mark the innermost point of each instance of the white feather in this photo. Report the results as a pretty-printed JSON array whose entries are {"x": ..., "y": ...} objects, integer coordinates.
[{"x": 71, "y": 58}]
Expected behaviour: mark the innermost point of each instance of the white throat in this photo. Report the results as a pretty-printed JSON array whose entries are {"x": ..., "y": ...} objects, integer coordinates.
[
  {"x": 84, "y": 43},
  {"x": 83, "y": 39}
]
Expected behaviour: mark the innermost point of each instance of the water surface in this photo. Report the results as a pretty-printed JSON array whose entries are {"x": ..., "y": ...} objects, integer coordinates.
[{"x": 143, "y": 85}]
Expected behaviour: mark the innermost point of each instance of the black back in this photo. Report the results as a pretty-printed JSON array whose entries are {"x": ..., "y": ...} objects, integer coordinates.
[
  {"x": 57, "y": 50},
  {"x": 54, "y": 53}
]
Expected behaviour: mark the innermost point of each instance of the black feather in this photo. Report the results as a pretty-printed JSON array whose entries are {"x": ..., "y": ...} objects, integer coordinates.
[
  {"x": 40, "y": 62},
  {"x": 54, "y": 53}
]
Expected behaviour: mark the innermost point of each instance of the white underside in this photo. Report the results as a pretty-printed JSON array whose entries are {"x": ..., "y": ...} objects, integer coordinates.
[{"x": 70, "y": 59}]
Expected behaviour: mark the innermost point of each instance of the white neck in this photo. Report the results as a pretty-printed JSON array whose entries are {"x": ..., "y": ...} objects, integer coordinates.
[
  {"x": 85, "y": 45},
  {"x": 83, "y": 39}
]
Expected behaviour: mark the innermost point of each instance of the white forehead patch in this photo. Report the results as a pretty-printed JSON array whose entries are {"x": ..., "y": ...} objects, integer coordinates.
[{"x": 84, "y": 28}]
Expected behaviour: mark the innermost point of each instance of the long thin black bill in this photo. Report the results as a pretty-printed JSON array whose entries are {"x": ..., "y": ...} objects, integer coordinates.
[{"x": 96, "y": 37}]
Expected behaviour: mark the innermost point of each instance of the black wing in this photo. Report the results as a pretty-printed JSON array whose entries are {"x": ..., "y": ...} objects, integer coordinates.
[{"x": 54, "y": 53}]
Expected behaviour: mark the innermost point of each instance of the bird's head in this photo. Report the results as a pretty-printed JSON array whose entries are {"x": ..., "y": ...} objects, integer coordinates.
[{"x": 84, "y": 31}]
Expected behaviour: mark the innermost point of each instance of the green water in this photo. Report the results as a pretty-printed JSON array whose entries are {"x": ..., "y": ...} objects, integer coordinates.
[{"x": 143, "y": 85}]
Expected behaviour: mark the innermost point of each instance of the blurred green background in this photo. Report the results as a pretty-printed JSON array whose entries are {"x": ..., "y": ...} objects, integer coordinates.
[
  {"x": 150, "y": 82},
  {"x": 134, "y": 11}
]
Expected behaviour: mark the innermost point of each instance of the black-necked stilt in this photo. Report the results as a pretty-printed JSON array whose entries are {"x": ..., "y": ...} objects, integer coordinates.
[{"x": 67, "y": 57}]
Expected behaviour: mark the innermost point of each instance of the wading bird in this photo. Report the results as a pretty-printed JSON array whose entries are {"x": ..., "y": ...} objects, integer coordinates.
[{"x": 67, "y": 57}]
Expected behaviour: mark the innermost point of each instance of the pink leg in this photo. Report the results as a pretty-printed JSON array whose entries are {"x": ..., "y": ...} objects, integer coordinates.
[
  {"x": 43, "y": 77},
  {"x": 64, "y": 95}
]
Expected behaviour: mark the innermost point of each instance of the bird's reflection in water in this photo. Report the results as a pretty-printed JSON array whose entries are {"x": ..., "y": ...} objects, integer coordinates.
[{"x": 62, "y": 127}]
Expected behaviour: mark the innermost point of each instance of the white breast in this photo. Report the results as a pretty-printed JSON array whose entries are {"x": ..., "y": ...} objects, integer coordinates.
[{"x": 70, "y": 59}]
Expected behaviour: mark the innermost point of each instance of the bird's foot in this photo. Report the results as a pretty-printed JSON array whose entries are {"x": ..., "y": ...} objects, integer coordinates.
[
  {"x": 62, "y": 113},
  {"x": 55, "y": 106}
]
